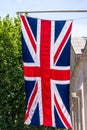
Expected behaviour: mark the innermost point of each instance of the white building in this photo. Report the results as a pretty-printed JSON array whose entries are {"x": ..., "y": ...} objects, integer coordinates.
[{"x": 78, "y": 87}]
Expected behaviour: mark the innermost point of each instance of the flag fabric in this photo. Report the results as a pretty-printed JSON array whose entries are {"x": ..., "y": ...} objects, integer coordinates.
[{"x": 46, "y": 64}]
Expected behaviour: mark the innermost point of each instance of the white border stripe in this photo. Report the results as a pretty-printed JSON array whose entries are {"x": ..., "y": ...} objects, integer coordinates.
[
  {"x": 29, "y": 64},
  {"x": 52, "y": 103},
  {"x": 30, "y": 78},
  {"x": 40, "y": 101},
  {"x": 52, "y": 44},
  {"x": 60, "y": 67},
  {"x": 38, "y": 42},
  {"x": 61, "y": 82}
]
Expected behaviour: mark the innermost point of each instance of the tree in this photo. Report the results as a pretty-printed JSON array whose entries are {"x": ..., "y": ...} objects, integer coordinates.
[{"x": 11, "y": 75}]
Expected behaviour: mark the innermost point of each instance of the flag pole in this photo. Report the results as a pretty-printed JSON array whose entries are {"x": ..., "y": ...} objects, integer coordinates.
[{"x": 53, "y": 11}]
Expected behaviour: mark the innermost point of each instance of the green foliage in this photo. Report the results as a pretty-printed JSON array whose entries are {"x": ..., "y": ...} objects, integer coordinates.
[{"x": 12, "y": 97}]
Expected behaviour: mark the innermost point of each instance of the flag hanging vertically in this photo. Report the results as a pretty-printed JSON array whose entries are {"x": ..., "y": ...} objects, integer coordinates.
[{"x": 46, "y": 63}]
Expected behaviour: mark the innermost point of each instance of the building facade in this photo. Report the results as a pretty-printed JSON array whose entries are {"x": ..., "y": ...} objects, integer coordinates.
[{"x": 78, "y": 85}]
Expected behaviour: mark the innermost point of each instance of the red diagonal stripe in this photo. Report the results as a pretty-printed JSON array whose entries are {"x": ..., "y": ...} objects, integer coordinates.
[
  {"x": 28, "y": 32},
  {"x": 61, "y": 114},
  {"x": 31, "y": 101},
  {"x": 62, "y": 43}
]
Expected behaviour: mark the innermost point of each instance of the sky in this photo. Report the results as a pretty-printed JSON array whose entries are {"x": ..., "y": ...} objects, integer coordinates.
[{"x": 79, "y": 28}]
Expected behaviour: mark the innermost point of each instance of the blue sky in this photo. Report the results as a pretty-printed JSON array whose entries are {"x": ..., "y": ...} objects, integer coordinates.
[{"x": 79, "y": 26}]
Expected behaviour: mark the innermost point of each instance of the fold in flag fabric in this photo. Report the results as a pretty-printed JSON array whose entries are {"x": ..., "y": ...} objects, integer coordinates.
[{"x": 46, "y": 64}]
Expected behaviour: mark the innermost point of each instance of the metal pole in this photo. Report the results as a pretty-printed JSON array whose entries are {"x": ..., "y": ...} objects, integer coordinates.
[{"x": 54, "y": 11}]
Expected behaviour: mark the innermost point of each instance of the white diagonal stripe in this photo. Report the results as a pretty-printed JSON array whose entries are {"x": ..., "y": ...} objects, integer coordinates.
[
  {"x": 62, "y": 106},
  {"x": 28, "y": 42},
  {"x": 30, "y": 30},
  {"x": 60, "y": 38}
]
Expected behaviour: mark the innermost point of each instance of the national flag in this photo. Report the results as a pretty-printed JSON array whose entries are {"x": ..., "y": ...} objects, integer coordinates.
[{"x": 46, "y": 64}]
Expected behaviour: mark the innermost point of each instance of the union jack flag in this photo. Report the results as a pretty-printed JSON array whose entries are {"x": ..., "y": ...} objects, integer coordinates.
[{"x": 46, "y": 64}]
